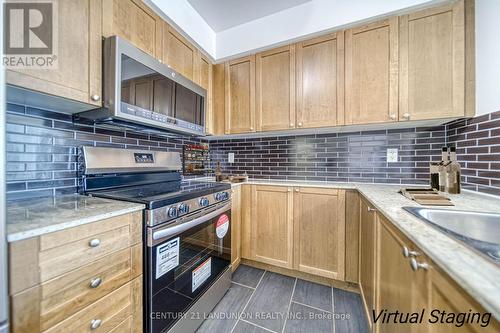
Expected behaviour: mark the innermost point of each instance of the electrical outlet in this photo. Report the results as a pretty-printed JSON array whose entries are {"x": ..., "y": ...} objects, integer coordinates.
[
  {"x": 392, "y": 155},
  {"x": 230, "y": 157}
]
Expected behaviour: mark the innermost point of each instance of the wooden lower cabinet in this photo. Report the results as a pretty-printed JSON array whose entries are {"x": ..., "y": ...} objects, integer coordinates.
[
  {"x": 319, "y": 231},
  {"x": 367, "y": 267},
  {"x": 301, "y": 228},
  {"x": 63, "y": 282},
  {"x": 446, "y": 295},
  {"x": 271, "y": 225},
  {"x": 235, "y": 227},
  {"x": 399, "y": 288}
]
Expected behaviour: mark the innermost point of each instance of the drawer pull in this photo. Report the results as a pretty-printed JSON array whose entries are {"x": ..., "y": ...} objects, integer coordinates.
[
  {"x": 371, "y": 210},
  {"x": 94, "y": 242},
  {"x": 96, "y": 282},
  {"x": 409, "y": 253},
  {"x": 95, "y": 324},
  {"x": 415, "y": 265}
]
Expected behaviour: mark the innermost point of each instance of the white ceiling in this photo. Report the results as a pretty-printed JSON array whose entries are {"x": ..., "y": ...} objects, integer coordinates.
[{"x": 224, "y": 14}]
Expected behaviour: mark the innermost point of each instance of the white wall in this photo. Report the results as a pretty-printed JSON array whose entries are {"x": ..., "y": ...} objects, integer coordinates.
[
  {"x": 487, "y": 56},
  {"x": 306, "y": 19}
]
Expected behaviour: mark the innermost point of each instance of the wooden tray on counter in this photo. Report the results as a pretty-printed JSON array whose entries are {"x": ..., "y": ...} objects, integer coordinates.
[{"x": 426, "y": 196}]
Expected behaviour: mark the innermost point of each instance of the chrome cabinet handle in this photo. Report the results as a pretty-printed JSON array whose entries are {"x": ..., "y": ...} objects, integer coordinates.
[
  {"x": 300, "y": 124},
  {"x": 291, "y": 124},
  {"x": 393, "y": 116},
  {"x": 406, "y": 116},
  {"x": 297, "y": 190},
  {"x": 407, "y": 253},
  {"x": 95, "y": 324},
  {"x": 96, "y": 282},
  {"x": 251, "y": 128},
  {"x": 95, "y": 97},
  {"x": 94, "y": 242},
  {"x": 415, "y": 265},
  {"x": 370, "y": 210}
]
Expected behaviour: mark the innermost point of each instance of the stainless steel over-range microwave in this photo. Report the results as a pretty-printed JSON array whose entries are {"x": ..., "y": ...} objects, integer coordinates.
[{"x": 140, "y": 92}]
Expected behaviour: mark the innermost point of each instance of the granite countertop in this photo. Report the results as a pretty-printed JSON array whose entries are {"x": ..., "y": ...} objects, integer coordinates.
[
  {"x": 34, "y": 217},
  {"x": 473, "y": 272}
]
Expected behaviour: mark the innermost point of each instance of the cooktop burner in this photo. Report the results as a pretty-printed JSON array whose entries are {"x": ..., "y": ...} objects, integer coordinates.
[{"x": 162, "y": 194}]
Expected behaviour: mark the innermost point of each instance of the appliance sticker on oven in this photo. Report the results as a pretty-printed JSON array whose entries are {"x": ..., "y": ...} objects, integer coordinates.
[
  {"x": 222, "y": 226},
  {"x": 201, "y": 274},
  {"x": 167, "y": 257}
]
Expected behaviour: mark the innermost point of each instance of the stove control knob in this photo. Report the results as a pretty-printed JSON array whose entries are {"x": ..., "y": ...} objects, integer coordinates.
[
  {"x": 218, "y": 196},
  {"x": 183, "y": 208},
  {"x": 204, "y": 202},
  {"x": 172, "y": 212}
]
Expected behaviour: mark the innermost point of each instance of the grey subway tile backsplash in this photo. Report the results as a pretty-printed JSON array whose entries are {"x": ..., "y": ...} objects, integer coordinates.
[
  {"x": 42, "y": 152},
  {"x": 42, "y": 149}
]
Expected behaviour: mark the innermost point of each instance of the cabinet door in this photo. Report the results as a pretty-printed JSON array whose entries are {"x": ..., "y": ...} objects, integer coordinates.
[
  {"x": 447, "y": 296},
  {"x": 240, "y": 95},
  {"x": 275, "y": 89},
  {"x": 133, "y": 21},
  {"x": 205, "y": 75},
  {"x": 272, "y": 229},
  {"x": 399, "y": 288},
  {"x": 320, "y": 81},
  {"x": 319, "y": 227},
  {"x": 432, "y": 72},
  {"x": 235, "y": 227},
  {"x": 177, "y": 52},
  {"x": 371, "y": 73},
  {"x": 78, "y": 75},
  {"x": 218, "y": 99},
  {"x": 367, "y": 257}
]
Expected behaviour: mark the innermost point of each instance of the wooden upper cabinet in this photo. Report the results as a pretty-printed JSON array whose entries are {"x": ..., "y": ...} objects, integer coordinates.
[
  {"x": 134, "y": 21},
  {"x": 371, "y": 73},
  {"x": 320, "y": 81},
  {"x": 272, "y": 225},
  {"x": 204, "y": 79},
  {"x": 240, "y": 95},
  {"x": 319, "y": 231},
  {"x": 177, "y": 52},
  {"x": 275, "y": 89},
  {"x": 367, "y": 267},
  {"x": 433, "y": 63},
  {"x": 218, "y": 99},
  {"x": 78, "y": 75}
]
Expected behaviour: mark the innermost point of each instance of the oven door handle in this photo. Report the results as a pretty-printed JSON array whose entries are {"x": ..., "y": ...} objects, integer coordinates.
[{"x": 177, "y": 229}]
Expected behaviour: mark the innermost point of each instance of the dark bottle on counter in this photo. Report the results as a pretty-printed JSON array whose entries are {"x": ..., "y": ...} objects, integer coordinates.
[
  {"x": 434, "y": 170},
  {"x": 443, "y": 175},
  {"x": 453, "y": 173}
]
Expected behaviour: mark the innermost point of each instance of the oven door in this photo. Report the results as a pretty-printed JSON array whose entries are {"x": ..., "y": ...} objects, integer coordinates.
[{"x": 183, "y": 260}]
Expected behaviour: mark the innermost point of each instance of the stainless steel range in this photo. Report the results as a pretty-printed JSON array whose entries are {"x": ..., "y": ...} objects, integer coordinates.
[{"x": 187, "y": 232}]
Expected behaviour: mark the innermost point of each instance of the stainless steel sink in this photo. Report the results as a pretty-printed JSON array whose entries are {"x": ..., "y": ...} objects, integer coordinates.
[{"x": 478, "y": 230}]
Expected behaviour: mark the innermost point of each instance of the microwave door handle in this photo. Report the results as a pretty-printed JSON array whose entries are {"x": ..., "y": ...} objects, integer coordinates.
[{"x": 177, "y": 229}]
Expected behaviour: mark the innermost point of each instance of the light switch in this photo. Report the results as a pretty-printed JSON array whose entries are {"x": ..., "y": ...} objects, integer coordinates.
[
  {"x": 392, "y": 155},
  {"x": 230, "y": 157}
]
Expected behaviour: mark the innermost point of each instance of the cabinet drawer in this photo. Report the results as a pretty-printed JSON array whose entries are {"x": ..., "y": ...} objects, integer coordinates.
[
  {"x": 112, "y": 310},
  {"x": 63, "y": 296},
  {"x": 64, "y": 258},
  {"x": 36, "y": 260}
]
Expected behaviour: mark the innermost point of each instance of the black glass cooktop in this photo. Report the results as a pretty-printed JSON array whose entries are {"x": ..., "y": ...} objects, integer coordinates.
[{"x": 164, "y": 193}]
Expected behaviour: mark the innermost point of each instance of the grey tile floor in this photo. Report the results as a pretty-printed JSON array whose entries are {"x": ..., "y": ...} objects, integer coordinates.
[{"x": 261, "y": 301}]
